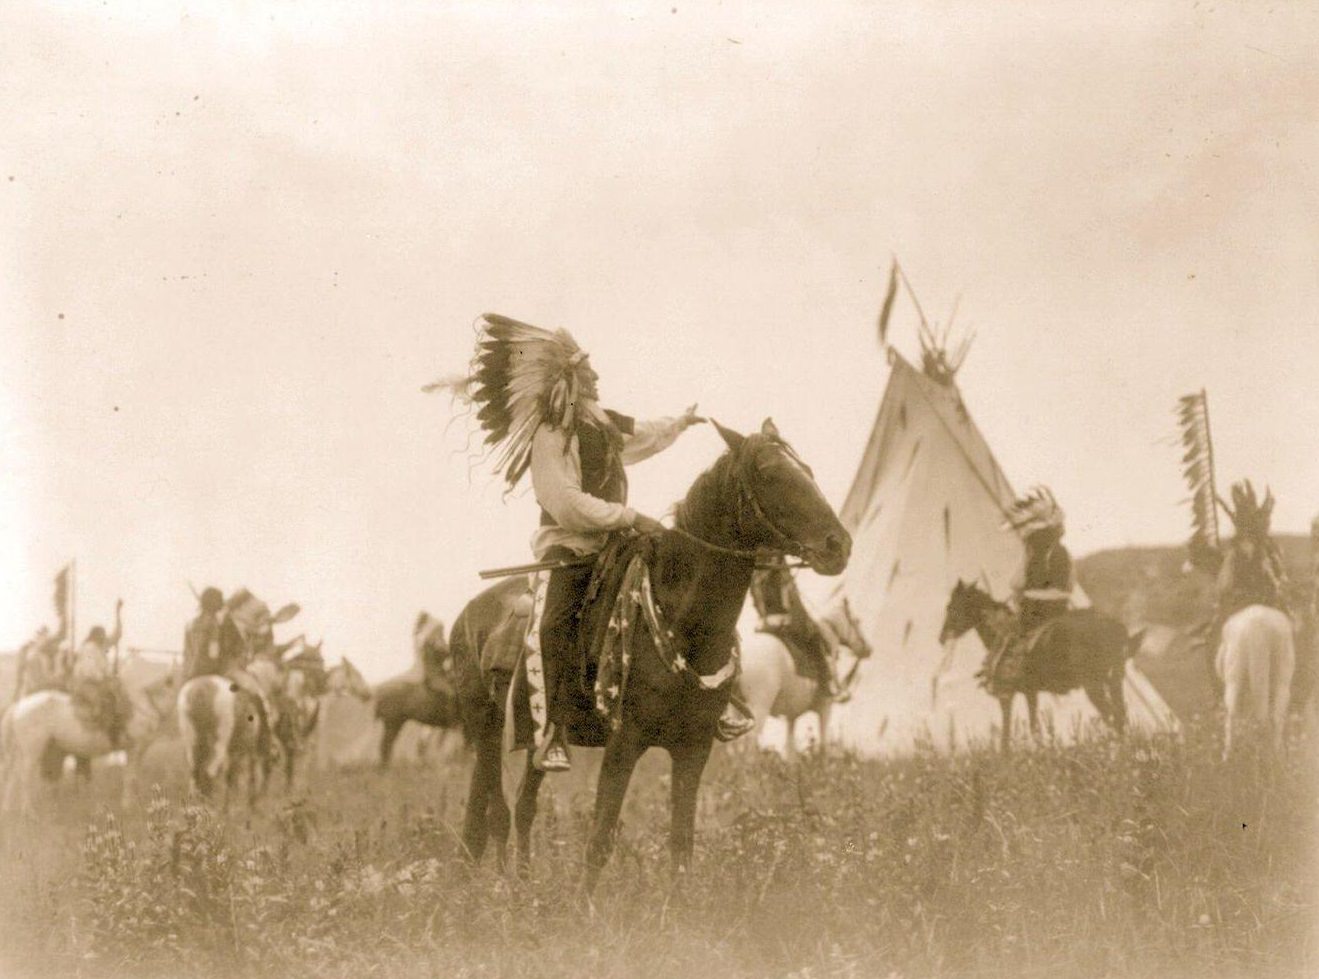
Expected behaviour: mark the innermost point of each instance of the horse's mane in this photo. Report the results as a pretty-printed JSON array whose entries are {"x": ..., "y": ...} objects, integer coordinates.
[{"x": 706, "y": 492}]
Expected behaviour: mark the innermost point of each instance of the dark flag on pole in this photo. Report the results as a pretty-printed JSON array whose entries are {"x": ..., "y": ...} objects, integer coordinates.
[
  {"x": 886, "y": 310},
  {"x": 62, "y": 595}
]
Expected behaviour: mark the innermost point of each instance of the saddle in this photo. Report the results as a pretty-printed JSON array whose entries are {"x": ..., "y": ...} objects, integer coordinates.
[{"x": 585, "y": 726}]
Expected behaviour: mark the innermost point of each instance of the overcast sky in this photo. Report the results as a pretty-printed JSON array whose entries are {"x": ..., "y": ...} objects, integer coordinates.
[{"x": 237, "y": 242}]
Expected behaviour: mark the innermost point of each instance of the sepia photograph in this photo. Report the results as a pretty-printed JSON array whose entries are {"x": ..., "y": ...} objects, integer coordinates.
[{"x": 622, "y": 489}]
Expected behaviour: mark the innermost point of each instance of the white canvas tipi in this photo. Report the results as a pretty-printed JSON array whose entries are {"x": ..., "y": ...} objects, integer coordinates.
[{"x": 927, "y": 507}]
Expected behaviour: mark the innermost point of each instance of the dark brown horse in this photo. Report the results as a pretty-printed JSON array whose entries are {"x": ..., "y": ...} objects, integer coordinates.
[
  {"x": 758, "y": 498},
  {"x": 403, "y": 699},
  {"x": 430, "y": 698},
  {"x": 1082, "y": 648}
]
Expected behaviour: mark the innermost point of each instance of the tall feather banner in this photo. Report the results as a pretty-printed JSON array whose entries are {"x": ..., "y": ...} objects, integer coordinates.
[{"x": 1198, "y": 470}]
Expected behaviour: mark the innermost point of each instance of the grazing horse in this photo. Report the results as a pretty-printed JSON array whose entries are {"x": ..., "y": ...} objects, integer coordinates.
[
  {"x": 37, "y": 732},
  {"x": 1256, "y": 657},
  {"x": 772, "y": 687},
  {"x": 1083, "y": 648},
  {"x": 759, "y": 498}
]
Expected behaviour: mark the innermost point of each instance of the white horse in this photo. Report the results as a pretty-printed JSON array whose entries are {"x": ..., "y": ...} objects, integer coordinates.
[
  {"x": 1256, "y": 657},
  {"x": 772, "y": 686},
  {"x": 48, "y": 725}
]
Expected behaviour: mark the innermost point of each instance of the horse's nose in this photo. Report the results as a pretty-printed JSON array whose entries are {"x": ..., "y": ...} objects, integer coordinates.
[{"x": 839, "y": 544}]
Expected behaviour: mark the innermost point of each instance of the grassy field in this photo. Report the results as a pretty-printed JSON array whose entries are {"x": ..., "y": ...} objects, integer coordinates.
[{"x": 1125, "y": 859}]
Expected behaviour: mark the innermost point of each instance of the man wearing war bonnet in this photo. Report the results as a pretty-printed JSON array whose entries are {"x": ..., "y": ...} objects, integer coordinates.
[
  {"x": 1252, "y": 571},
  {"x": 1042, "y": 587},
  {"x": 539, "y": 404}
]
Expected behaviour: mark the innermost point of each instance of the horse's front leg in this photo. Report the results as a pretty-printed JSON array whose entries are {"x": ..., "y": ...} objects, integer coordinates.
[
  {"x": 526, "y": 813},
  {"x": 1033, "y": 710},
  {"x": 1005, "y": 705},
  {"x": 621, "y": 755},
  {"x": 688, "y": 764},
  {"x": 484, "y": 785},
  {"x": 823, "y": 712},
  {"x": 132, "y": 758},
  {"x": 790, "y": 738}
]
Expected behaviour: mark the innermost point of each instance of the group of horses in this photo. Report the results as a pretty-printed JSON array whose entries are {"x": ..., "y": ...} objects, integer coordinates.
[
  {"x": 226, "y": 738},
  {"x": 758, "y": 502}
]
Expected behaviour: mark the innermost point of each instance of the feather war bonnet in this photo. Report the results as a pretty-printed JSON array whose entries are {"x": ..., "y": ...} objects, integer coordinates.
[{"x": 521, "y": 377}]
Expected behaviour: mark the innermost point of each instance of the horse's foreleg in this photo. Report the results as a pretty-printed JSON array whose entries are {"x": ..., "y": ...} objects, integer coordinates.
[
  {"x": 1005, "y": 706},
  {"x": 1117, "y": 700},
  {"x": 1033, "y": 712},
  {"x": 485, "y": 781},
  {"x": 387, "y": 739},
  {"x": 823, "y": 712},
  {"x": 688, "y": 764},
  {"x": 526, "y": 812},
  {"x": 790, "y": 738},
  {"x": 621, "y": 756}
]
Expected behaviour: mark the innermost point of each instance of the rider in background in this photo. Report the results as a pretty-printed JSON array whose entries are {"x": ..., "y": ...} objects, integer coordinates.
[
  {"x": 782, "y": 613},
  {"x": 93, "y": 682},
  {"x": 1043, "y": 585}
]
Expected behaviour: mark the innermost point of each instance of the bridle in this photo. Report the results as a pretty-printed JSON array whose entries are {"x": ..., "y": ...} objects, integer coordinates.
[{"x": 748, "y": 501}]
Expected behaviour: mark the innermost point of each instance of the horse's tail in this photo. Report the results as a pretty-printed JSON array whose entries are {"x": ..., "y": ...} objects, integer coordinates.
[{"x": 200, "y": 717}]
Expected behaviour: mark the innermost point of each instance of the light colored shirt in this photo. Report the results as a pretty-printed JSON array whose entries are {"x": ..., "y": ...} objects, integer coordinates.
[{"x": 582, "y": 521}]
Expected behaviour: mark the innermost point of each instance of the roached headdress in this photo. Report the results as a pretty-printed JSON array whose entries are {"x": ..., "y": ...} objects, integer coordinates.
[
  {"x": 522, "y": 377},
  {"x": 1035, "y": 511}
]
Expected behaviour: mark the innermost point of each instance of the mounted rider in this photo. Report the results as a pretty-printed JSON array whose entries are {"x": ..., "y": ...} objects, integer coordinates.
[
  {"x": 222, "y": 639},
  {"x": 432, "y": 653},
  {"x": 1252, "y": 572},
  {"x": 540, "y": 405},
  {"x": 1043, "y": 585},
  {"x": 94, "y": 684},
  {"x": 44, "y": 662},
  {"x": 782, "y": 614}
]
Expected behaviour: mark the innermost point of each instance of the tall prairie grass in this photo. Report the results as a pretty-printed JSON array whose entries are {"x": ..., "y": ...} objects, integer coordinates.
[{"x": 1141, "y": 858}]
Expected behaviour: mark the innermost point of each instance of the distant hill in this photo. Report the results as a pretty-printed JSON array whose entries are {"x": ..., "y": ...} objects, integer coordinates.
[{"x": 1146, "y": 587}]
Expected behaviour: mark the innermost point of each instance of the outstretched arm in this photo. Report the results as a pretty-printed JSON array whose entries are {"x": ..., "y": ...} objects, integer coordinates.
[{"x": 649, "y": 438}]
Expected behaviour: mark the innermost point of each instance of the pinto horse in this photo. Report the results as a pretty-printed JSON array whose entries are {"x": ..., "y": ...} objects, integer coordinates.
[
  {"x": 1084, "y": 648},
  {"x": 772, "y": 687},
  {"x": 45, "y": 726},
  {"x": 757, "y": 498}
]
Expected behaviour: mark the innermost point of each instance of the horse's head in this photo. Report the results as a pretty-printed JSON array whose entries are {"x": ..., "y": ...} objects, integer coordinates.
[
  {"x": 780, "y": 507},
  {"x": 967, "y": 606},
  {"x": 842, "y": 622},
  {"x": 348, "y": 680}
]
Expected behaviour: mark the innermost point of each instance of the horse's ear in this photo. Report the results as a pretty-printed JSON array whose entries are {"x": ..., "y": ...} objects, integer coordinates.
[
  {"x": 731, "y": 438},
  {"x": 286, "y": 613},
  {"x": 770, "y": 429}
]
